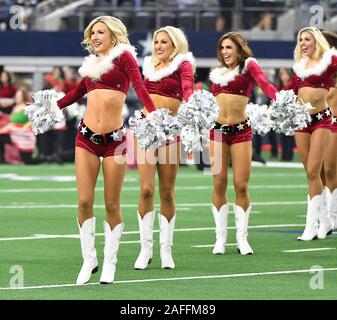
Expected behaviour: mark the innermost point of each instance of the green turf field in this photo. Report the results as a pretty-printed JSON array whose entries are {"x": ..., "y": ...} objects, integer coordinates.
[{"x": 39, "y": 236}]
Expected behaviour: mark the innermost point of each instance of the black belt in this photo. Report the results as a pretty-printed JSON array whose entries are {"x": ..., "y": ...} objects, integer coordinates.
[
  {"x": 230, "y": 129},
  {"x": 326, "y": 113},
  {"x": 98, "y": 138}
]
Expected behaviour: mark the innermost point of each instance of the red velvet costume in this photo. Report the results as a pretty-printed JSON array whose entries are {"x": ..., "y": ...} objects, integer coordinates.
[
  {"x": 320, "y": 76},
  {"x": 113, "y": 72},
  {"x": 175, "y": 81},
  {"x": 241, "y": 83}
]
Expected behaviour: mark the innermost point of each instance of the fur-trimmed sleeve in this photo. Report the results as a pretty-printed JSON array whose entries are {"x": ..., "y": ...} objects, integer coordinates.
[
  {"x": 131, "y": 69},
  {"x": 259, "y": 77},
  {"x": 74, "y": 95},
  {"x": 187, "y": 79}
]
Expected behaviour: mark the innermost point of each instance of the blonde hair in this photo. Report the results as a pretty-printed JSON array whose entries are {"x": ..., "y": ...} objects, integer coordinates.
[
  {"x": 178, "y": 39},
  {"x": 118, "y": 31},
  {"x": 322, "y": 44}
]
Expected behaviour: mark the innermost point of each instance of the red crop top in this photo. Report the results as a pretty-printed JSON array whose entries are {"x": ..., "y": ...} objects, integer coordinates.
[
  {"x": 175, "y": 81},
  {"x": 229, "y": 81},
  {"x": 320, "y": 76},
  {"x": 113, "y": 72}
]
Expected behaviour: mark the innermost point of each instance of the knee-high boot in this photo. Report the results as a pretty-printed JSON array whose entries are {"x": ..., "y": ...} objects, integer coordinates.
[
  {"x": 166, "y": 241},
  {"x": 146, "y": 240},
  {"x": 90, "y": 263},
  {"x": 333, "y": 210},
  {"x": 241, "y": 221},
  {"x": 311, "y": 225},
  {"x": 220, "y": 219},
  {"x": 111, "y": 246},
  {"x": 324, "y": 221}
]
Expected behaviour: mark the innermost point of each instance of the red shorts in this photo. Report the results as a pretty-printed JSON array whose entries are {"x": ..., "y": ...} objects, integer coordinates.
[
  {"x": 323, "y": 123},
  {"x": 232, "y": 138},
  {"x": 334, "y": 125},
  {"x": 109, "y": 149}
]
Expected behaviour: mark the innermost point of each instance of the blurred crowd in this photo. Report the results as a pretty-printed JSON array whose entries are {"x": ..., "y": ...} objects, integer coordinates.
[{"x": 19, "y": 145}]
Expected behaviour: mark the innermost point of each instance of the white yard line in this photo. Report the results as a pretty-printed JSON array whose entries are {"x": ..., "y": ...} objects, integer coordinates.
[
  {"x": 308, "y": 250},
  {"x": 208, "y": 277},
  {"x": 75, "y": 236},
  {"x": 70, "y": 189},
  {"x": 210, "y": 245},
  {"x": 206, "y": 204}
]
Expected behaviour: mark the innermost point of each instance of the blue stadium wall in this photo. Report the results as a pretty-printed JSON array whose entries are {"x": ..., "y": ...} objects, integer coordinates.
[{"x": 67, "y": 44}]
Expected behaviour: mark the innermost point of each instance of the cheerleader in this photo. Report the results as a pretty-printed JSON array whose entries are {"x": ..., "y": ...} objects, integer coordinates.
[
  {"x": 169, "y": 79},
  {"x": 232, "y": 84},
  {"x": 314, "y": 72},
  {"x": 106, "y": 75}
]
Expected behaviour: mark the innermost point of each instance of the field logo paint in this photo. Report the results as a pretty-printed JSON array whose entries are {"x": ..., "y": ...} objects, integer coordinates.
[
  {"x": 16, "y": 281},
  {"x": 317, "y": 280},
  {"x": 317, "y": 19}
]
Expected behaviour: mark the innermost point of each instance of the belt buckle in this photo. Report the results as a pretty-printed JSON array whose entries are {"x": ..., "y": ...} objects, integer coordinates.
[
  {"x": 96, "y": 138},
  {"x": 226, "y": 129}
]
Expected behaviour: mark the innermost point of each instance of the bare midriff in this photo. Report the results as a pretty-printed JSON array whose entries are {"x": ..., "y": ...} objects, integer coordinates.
[
  {"x": 165, "y": 102},
  {"x": 232, "y": 108},
  {"x": 104, "y": 110},
  {"x": 316, "y": 96}
]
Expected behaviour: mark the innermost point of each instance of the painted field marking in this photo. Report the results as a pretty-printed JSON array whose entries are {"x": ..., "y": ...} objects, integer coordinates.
[
  {"x": 209, "y": 277},
  {"x": 76, "y": 236},
  {"x": 308, "y": 250},
  {"x": 210, "y": 245},
  {"x": 73, "y": 189},
  {"x": 207, "y": 204}
]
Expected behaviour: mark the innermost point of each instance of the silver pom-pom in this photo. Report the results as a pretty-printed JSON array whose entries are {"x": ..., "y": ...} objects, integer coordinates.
[
  {"x": 259, "y": 117},
  {"x": 288, "y": 114},
  {"x": 197, "y": 116},
  {"x": 44, "y": 112},
  {"x": 154, "y": 130}
]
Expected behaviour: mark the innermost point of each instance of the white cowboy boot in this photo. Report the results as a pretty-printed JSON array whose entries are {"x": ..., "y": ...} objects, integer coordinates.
[
  {"x": 111, "y": 245},
  {"x": 166, "y": 241},
  {"x": 220, "y": 219},
  {"x": 146, "y": 240},
  {"x": 90, "y": 263},
  {"x": 241, "y": 221},
  {"x": 311, "y": 225},
  {"x": 324, "y": 221},
  {"x": 333, "y": 210}
]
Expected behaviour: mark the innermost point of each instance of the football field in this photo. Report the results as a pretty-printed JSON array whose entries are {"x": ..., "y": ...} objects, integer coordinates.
[{"x": 40, "y": 249}]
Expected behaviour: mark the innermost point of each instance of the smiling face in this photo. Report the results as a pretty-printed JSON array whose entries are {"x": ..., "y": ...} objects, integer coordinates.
[
  {"x": 101, "y": 38},
  {"x": 163, "y": 46},
  {"x": 307, "y": 44},
  {"x": 229, "y": 53}
]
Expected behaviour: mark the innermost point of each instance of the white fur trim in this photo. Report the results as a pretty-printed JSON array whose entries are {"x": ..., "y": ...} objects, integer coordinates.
[
  {"x": 318, "y": 69},
  {"x": 222, "y": 76},
  {"x": 94, "y": 66},
  {"x": 152, "y": 74}
]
